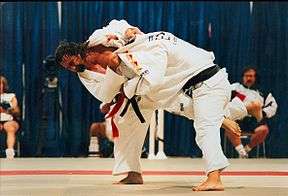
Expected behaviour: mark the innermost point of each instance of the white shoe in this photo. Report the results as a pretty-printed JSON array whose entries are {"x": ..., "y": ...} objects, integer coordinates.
[{"x": 10, "y": 153}]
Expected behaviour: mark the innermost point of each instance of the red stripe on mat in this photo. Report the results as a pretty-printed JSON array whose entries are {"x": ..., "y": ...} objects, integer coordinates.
[{"x": 150, "y": 173}]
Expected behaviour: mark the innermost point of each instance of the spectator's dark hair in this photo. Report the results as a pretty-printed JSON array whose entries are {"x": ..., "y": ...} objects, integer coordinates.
[
  {"x": 5, "y": 84},
  {"x": 246, "y": 69},
  {"x": 70, "y": 49}
]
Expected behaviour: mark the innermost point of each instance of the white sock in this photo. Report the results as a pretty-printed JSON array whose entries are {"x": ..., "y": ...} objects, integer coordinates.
[
  {"x": 247, "y": 148},
  {"x": 10, "y": 153},
  {"x": 239, "y": 148},
  {"x": 241, "y": 151}
]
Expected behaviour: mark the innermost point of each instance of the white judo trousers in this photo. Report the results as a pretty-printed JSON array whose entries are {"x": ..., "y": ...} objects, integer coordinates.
[
  {"x": 209, "y": 102},
  {"x": 128, "y": 147},
  {"x": 207, "y": 122}
]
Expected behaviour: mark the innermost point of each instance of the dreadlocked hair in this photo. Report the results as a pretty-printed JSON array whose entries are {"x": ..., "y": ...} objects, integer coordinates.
[{"x": 70, "y": 49}]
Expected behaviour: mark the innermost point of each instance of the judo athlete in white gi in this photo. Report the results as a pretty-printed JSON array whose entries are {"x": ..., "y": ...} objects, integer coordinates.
[{"x": 154, "y": 69}]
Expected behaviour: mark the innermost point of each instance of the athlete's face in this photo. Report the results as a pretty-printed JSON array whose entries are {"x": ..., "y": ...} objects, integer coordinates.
[
  {"x": 71, "y": 62},
  {"x": 98, "y": 55}
]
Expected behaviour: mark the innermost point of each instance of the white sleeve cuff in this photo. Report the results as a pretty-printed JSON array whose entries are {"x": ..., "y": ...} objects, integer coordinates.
[
  {"x": 119, "y": 26},
  {"x": 91, "y": 75},
  {"x": 111, "y": 85}
]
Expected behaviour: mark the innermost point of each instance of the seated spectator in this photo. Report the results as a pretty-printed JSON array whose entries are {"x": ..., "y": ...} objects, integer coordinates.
[
  {"x": 99, "y": 129},
  {"x": 103, "y": 132},
  {"x": 260, "y": 106},
  {"x": 9, "y": 112}
]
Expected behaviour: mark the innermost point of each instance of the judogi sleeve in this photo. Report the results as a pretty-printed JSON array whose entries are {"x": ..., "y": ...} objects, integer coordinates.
[
  {"x": 234, "y": 86},
  {"x": 235, "y": 93},
  {"x": 101, "y": 86},
  {"x": 149, "y": 67},
  {"x": 270, "y": 106},
  {"x": 116, "y": 28},
  {"x": 91, "y": 80},
  {"x": 111, "y": 85}
]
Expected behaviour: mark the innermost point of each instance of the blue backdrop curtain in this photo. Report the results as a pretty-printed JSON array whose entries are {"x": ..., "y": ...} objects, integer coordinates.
[
  {"x": 80, "y": 109},
  {"x": 29, "y": 33},
  {"x": 229, "y": 39},
  {"x": 186, "y": 20},
  {"x": 269, "y": 46},
  {"x": 236, "y": 37},
  {"x": 230, "y": 35}
]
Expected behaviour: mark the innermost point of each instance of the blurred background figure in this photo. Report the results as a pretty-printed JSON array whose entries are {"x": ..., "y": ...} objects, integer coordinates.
[
  {"x": 9, "y": 119},
  {"x": 261, "y": 103},
  {"x": 102, "y": 130}
]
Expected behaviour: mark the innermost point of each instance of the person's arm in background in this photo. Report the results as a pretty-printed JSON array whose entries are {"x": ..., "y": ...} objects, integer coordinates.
[
  {"x": 270, "y": 106},
  {"x": 235, "y": 93},
  {"x": 14, "y": 110}
]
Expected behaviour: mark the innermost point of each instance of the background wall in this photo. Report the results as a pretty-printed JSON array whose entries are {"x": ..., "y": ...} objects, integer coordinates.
[{"x": 32, "y": 30}]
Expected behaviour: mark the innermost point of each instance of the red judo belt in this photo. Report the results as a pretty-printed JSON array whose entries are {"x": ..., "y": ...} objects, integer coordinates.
[{"x": 116, "y": 108}]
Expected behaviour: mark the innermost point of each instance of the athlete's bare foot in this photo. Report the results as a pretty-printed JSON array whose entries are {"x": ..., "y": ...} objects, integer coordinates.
[
  {"x": 231, "y": 126},
  {"x": 132, "y": 178},
  {"x": 255, "y": 109},
  {"x": 213, "y": 183}
]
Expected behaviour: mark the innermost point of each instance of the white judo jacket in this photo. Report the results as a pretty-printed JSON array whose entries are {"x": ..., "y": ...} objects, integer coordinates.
[
  {"x": 162, "y": 64},
  {"x": 156, "y": 65}
]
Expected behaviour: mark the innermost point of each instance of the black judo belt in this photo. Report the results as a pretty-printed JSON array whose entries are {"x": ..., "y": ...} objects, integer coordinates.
[
  {"x": 135, "y": 107},
  {"x": 200, "y": 77}
]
